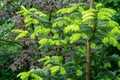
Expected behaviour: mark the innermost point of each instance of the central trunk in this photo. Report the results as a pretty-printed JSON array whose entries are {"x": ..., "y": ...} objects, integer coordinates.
[{"x": 88, "y": 60}]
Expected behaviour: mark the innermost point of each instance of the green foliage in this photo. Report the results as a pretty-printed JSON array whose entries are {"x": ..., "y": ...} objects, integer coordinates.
[
  {"x": 106, "y": 14},
  {"x": 87, "y": 15},
  {"x": 114, "y": 5},
  {"x": 7, "y": 53},
  {"x": 53, "y": 59},
  {"x": 49, "y": 62},
  {"x": 54, "y": 66},
  {"x": 5, "y": 28},
  {"x": 78, "y": 72},
  {"x": 75, "y": 37},
  {"x": 22, "y": 33},
  {"x": 55, "y": 69},
  {"x": 29, "y": 75},
  {"x": 40, "y": 30},
  {"x": 74, "y": 26},
  {"x": 67, "y": 10}
]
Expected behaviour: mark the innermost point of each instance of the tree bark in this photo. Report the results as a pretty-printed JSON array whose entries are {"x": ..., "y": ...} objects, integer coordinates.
[
  {"x": 88, "y": 60},
  {"x": 88, "y": 46},
  {"x": 91, "y": 3}
]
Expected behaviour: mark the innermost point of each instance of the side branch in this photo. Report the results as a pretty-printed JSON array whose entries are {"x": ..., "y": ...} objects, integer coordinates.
[{"x": 10, "y": 42}]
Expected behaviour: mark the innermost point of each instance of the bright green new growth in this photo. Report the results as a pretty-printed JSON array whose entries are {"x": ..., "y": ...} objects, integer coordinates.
[{"x": 22, "y": 33}]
